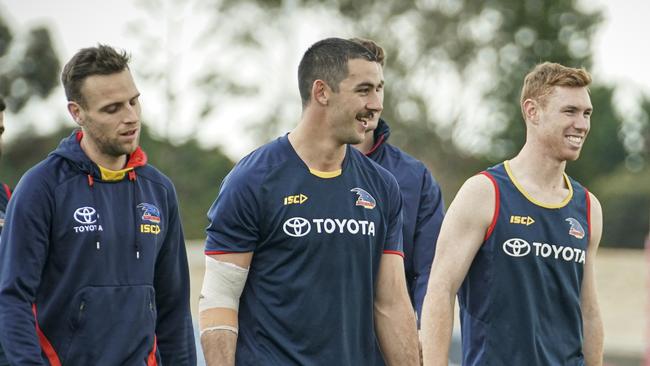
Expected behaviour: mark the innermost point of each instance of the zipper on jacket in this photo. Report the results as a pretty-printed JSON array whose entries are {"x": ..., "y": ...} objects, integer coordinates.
[{"x": 82, "y": 308}]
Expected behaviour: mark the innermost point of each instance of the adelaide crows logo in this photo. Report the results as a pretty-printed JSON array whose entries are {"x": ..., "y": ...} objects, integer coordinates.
[
  {"x": 150, "y": 213},
  {"x": 576, "y": 229},
  {"x": 365, "y": 199}
]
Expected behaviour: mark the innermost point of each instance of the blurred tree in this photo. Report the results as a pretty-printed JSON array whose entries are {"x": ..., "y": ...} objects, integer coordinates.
[
  {"x": 454, "y": 71},
  {"x": 453, "y": 74},
  {"x": 195, "y": 171},
  {"x": 29, "y": 67}
]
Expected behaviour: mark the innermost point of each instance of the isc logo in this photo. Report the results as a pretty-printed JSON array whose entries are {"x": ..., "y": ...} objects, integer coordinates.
[
  {"x": 295, "y": 199},
  {"x": 149, "y": 229},
  {"x": 522, "y": 220}
]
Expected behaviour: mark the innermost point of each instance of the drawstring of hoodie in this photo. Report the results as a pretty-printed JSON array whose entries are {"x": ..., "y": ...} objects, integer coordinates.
[
  {"x": 91, "y": 184},
  {"x": 70, "y": 149},
  {"x": 136, "y": 239}
]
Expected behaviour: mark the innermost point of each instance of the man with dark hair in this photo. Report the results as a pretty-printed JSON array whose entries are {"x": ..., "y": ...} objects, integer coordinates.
[
  {"x": 518, "y": 245},
  {"x": 93, "y": 269},
  {"x": 423, "y": 206},
  {"x": 5, "y": 194},
  {"x": 304, "y": 260}
]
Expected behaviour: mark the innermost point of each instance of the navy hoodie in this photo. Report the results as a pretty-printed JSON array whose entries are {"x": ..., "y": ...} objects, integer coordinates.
[
  {"x": 94, "y": 272},
  {"x": 422, "y": 210}
]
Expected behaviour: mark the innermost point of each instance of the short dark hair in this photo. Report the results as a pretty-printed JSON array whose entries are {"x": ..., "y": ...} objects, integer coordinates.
[
  {"x": 100, "y": 60},
  {"x": 2, "y": 105},
  {"x": 373, "y": 47},
  {"x": 327, "y": 60}
]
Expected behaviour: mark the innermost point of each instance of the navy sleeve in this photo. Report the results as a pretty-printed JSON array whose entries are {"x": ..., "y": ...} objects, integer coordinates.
[
  {"x": 234, "y": 216},
  {"x": 174, "y": 331},
  {"x": 429, "y": 219},
  {"x": 394, "y": 237},
  {"x": 23, "y": 251}
]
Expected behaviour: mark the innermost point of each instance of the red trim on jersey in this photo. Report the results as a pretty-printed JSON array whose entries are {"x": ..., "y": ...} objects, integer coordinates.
[
  {"x": 7, "y": 190},
  {"x": 49, "y": 351},
  {"x": 588, "y": 212},
  {"x": 377, "y": 144},
  {"x": 151, "y": 360},
  {"x": 496, "y": 205},
  {"x": 396, "y": 252},
  {"x": 215, "y": 252}
]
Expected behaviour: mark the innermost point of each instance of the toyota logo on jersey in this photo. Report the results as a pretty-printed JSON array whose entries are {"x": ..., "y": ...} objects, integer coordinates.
[
  {"x": 85, "y": 215},
  {"x": 516, "y": 247},
  {"x": 296, "y": 227}
]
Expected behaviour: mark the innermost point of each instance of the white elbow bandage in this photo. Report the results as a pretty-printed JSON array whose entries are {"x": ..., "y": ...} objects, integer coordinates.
[{"x": 222, "y": 285}]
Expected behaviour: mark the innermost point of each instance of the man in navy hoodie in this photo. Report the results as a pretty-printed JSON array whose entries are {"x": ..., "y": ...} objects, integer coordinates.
[
  {"x": 93, "y": 269},
  {"x": 5, "y": 194},
  {"x": 423, "y": 206}
]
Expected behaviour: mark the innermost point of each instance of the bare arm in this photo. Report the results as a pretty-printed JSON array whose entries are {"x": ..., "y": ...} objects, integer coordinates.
[
  {"x": 394, "y": 316},
  {"x": 592, "y": 322},
  {"x": 462, "y": 233},
  {"x": 219, "y": 345}
]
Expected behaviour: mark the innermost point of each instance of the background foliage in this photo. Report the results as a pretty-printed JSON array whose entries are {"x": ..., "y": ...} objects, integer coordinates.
[{"x": 453, "y": 76}]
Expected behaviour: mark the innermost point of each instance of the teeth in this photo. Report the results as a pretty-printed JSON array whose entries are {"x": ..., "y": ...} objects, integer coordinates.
[{"x": 575, "y": 139}]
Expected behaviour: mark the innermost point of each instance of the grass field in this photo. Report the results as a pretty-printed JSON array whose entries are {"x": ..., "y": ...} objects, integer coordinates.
[{"x": 622, "y": 292}]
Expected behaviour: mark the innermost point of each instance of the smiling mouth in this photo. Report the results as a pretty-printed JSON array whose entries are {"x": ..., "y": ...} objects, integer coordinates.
[
  {"x": 575, "y": 139},
  {"x": 364, "y": 118}
]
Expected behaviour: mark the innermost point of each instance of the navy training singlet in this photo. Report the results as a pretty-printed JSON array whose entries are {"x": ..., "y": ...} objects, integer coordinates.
[{"x": 520, "y": 301}]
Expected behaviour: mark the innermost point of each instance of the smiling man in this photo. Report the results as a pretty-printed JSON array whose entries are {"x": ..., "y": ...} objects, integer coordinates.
[
  {"x": 93, "y": 262},
  {"x": 519, "y": 244},
  {"x": 304, "y": 260}
]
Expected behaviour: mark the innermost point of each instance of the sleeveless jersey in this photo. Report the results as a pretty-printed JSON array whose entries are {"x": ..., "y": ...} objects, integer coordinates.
[{"x": 520, "y": 301}]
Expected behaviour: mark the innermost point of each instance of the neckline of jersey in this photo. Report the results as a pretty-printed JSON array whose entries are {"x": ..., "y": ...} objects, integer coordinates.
[
  {"x": 317, "y": 173},
  {"x": 530, "y": 198}
]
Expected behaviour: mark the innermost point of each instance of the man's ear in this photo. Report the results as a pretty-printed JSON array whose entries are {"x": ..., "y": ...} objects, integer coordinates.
[
  {"x": 321, "y": 92},
  {"x": 532, "y": 110},
  {"x": 76, "y": 112}
]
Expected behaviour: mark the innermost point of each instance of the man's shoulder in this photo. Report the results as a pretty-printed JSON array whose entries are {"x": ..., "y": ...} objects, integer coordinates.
[
  {"x": 152, "y": 173},
  {"x": 49, "y": 171},
  {"x": 253, "y": 170},
  {"x": 372, "y": 168},
  {"x": 405, "y": 160},
  {"x": 261, "y": 160}
]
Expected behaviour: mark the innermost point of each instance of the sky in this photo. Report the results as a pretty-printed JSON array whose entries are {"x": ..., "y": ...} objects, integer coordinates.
[{"x": 620, "y": 55}]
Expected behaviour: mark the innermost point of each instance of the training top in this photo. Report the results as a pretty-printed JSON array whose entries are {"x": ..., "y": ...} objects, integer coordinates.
[
  {"x": 423, "y": 210},
  {"x": 93, "y": 269},
  {"x": 317, "y": 240},
  {"x": 520, "y": 301},
  {"x": 5, "y": 194}
]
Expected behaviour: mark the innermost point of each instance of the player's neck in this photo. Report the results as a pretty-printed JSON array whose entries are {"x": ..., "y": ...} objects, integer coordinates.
[
  {"x": 537, "y": 172},
  {"x": 367, "y": 144},
  {"x": 318, "y": 152},
  {"x": 104, "y": 160}
]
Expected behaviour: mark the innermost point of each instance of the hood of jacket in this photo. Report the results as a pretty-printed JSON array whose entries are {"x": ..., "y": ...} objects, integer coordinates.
[
  {"x": 380, "y": 135},
  {"x": 70, "y": 149}
]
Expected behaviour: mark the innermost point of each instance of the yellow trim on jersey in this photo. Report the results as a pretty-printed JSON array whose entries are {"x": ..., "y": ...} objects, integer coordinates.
[
  {"x": 521, "y": 189},
  {"x": 325, "y": 175},
  {"x": 113, "y": 175}
]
